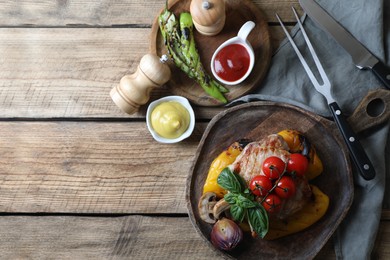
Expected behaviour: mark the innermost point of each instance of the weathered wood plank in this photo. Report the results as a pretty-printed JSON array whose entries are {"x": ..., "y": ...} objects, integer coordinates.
[
  {"x": 65, "y": 72},
  {"x": 57, "y": 72},
  {"x": 127, "y": 237},
  {"x": 84, "y": 13},
  {"x": 132, "y": 237},
  {"x": 105, "y": 12},
  {"x": 92, "y": 167}
]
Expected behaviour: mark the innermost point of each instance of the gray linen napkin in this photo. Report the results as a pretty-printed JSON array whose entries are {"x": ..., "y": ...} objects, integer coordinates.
[{"x": 287, "y": 82}]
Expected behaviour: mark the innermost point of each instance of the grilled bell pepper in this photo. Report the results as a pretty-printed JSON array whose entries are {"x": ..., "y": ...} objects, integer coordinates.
[
  {"x": 302, "y": 219},
  {"x": 224, "y": 159},
  {"x": 298, "y": 143},
  {"x": 180, "y": 42}
]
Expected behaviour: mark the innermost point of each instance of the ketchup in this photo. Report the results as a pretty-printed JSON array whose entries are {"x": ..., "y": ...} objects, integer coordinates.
[{"x": 231, "y": 62}]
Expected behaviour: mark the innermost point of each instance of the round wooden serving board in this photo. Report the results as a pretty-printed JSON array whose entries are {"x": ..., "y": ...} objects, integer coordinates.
[
  {"x": 237, "y": 13},
  {"x": 255, "y": 121}
]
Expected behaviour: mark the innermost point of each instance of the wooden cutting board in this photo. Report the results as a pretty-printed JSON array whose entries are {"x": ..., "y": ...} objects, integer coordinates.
[
  {"x": 237, "y": 13},
  {"x": 255, "y": 121}
]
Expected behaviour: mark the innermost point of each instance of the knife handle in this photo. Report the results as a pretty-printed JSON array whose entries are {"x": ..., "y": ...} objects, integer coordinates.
[
  {"x": 359, "y": 156},
  {"x": 383, "y": 73}
]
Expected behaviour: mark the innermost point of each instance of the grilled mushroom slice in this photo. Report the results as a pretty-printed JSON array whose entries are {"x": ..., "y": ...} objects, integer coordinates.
[
  {"x": 220, "y": 207},
  {"x": 206, "y": 206}
]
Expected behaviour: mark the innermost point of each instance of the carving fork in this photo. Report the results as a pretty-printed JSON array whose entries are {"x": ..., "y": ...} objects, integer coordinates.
[{"x": 356, "y": 150}]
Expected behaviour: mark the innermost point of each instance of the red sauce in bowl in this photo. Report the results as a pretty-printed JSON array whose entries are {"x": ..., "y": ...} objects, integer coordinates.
[{"x": 232, "y": 62}]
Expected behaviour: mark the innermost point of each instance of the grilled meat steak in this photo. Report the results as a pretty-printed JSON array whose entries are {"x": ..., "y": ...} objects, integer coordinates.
[{"x": 249, "y": 164}]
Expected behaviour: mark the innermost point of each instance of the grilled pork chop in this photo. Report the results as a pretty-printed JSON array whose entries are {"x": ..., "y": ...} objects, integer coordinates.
[{"x": 249, "y": 163}]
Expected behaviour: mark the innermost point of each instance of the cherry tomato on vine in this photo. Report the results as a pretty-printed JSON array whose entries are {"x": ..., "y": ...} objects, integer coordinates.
[
  {"x": 272, "y": 203},
  {"x": 286, "y": 187},
  {"x": 260, "y": 185},
  {"x": 273, "y": 167},
  {"x": 297, "y": 163}
]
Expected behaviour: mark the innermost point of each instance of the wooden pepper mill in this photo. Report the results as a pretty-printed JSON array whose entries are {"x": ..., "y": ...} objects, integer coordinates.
[
  {"x": 208, "y": 16},
  {"x": 134, "y": 90}
]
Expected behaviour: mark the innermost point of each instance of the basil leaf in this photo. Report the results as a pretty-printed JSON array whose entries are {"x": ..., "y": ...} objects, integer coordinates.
[
  {"x": 230, "y": 198},
  {"x": 242, "y": 182},
  {"x": 246, "y": 203},
  {"x": 229, "y": 181},
  {"x": 248, "y": 194},
  {"x": 238, "y": 213},
  {"x": 258, "y": 219}
]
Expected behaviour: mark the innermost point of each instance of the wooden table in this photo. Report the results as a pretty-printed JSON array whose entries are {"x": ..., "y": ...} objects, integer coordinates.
[{"x": 80, "y": 179}]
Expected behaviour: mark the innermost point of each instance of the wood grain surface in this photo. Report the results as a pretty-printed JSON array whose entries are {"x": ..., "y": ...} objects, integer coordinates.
[
  {"x": 237, "y": 13},
  {"x": 255, "y": 121},
  {"x": 122, "y": 237},
  {"x": 79, "y": 179},
  {"x": 92, "y": 167}
]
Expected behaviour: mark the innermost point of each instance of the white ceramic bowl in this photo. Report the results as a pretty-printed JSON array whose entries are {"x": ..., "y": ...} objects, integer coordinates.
[
  {"x": 241, "y": 39},
  {"x": 183, "y": 101}
]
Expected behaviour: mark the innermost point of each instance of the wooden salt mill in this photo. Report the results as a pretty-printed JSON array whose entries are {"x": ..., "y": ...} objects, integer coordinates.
[
  {"x": 134, "y": 90},
  {"x": 208, "y": 16}
]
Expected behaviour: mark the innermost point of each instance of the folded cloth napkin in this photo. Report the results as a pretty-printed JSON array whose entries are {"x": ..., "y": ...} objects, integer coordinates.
[{"x": 287, "y": 81}]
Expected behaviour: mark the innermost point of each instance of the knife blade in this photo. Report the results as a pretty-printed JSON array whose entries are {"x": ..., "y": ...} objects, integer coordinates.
[{"x": 362, "y": 58}]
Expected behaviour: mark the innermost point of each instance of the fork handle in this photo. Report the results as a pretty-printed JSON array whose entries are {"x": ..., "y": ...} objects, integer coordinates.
[
  {"x": 359, "y": 156},
  {"x": 383, "y": 73}
]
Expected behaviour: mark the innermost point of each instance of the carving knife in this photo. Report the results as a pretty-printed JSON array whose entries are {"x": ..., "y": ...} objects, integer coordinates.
[{"x": 362, "y": 58}]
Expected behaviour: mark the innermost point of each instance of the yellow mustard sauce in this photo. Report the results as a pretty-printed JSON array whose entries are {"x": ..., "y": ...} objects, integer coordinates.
[{"x": 170, "y": 119}]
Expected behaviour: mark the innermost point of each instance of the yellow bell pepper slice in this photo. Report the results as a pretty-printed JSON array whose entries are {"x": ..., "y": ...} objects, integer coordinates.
[
  {"x": 315, "y": 166},
  {"x": 224, "y": 159},
  {"x": 296, "y": 143},
  {"x": 308, "y": 215},
  {"x": 294, "y": 139}
]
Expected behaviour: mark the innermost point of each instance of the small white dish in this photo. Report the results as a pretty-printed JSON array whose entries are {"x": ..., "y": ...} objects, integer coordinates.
[
  {"x": 184, "y": 102},
  {"x": 241, "y": 39}
]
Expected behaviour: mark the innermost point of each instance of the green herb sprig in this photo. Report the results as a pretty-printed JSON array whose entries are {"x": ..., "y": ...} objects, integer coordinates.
[{"x": 242, "y": 202}]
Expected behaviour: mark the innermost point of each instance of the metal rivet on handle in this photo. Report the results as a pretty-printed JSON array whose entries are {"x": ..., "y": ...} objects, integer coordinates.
[
  {"x": 352, "y": 139},
  {"x": 338, "y": 112},
  {"x": 366, "y": 167}
]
